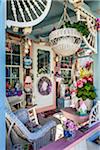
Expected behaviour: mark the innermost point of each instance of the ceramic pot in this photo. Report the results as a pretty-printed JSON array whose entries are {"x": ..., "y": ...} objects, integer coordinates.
[{"x": 89, "y": 104}]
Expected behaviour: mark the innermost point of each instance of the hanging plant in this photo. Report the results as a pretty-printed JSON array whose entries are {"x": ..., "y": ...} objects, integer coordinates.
[
  {"x": 65, "y": 40},
  {"x": 80, "y": 26}
]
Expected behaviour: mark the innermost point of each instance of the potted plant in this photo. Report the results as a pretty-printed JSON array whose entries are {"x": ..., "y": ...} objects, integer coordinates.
[
  {"x": 67, "y": 39},
  {"x": 85, "y": 89}
]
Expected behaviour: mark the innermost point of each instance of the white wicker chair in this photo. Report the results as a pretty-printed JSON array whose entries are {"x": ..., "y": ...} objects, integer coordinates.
[{"x": 21, "y": 135}]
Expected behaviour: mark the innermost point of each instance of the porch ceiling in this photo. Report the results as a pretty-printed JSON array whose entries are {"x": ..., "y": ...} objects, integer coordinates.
[{"x": 45, "y": 27}]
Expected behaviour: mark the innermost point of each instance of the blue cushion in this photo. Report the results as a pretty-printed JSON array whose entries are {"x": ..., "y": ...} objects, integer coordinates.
[
  {"x": 32, "y": 127},
  {"x": 22, "y": 115}
]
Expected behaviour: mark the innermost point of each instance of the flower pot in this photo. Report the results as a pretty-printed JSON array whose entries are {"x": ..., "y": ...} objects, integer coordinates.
[
  {"x": 81, "y": 114},
  {"x": 69, "y": 134},
  {"x": 89, "y": 104}
]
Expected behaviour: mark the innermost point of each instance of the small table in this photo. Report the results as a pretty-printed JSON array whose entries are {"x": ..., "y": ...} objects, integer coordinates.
[{"x": 70, "y": 113}]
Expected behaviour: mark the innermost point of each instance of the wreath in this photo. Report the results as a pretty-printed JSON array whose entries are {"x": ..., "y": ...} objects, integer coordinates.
[{"x": 44, "y": 86}]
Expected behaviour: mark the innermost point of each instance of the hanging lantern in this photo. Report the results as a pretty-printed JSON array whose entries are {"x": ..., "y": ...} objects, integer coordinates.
[
  {"x": 65, "y": 41},
  {"x": 27, "y": 62},
  {"x": 28, "y": 84}
]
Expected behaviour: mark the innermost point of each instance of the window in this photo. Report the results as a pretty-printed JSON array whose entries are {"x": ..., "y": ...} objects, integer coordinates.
[
  {"x": 66, "y": 62},
  {"x": 12, "y": 63},
  {"x": 43, "y": 62},
  {"x": 66, "y": 75}
]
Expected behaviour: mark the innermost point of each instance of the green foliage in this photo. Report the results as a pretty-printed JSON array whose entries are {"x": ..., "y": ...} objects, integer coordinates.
[
  {"x": 87, "y": 91},
  {"x": 80, "y": 26}
]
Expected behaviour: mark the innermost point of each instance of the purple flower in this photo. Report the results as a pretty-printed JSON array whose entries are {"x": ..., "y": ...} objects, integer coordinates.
[{"x": 70, "y": 125}]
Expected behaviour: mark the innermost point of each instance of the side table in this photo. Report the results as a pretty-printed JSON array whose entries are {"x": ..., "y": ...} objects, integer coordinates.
[
  {"x": 32, "y": 113},
  {"x": 17, "y": 100}
]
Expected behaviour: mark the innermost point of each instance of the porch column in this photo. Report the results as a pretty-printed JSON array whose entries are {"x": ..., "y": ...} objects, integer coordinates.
[
  {"x": 97, "y": 64},
  {"x": 2, "y": 74}
]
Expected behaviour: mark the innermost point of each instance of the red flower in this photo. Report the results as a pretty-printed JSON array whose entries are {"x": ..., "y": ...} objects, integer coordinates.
[
  {"x": 90, "y": 79},
  {"x": 79, "y": 84},
  {"x": 86, "y": 78}
]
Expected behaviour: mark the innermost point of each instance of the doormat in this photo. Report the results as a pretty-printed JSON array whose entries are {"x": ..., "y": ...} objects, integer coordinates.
[{"x": 48, "y": 113}]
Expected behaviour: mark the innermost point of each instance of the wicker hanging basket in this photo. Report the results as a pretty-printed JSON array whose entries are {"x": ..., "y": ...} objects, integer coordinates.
[{"x": 65, "y": 41}]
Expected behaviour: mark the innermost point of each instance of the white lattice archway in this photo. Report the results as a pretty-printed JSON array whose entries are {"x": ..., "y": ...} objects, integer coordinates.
[
  {"x": 30, "y": 12},
  {"x": 94, "y": 114},
  {"x": 85, "y": 16}
]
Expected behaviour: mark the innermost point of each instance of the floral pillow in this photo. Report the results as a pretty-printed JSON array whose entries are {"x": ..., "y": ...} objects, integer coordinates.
[{"x": 32, "y": 127}]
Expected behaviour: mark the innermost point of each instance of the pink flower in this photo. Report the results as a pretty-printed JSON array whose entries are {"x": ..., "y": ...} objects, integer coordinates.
[
  {"x": 73, "y": 91},
  {"x": 79, "y": 84},
  {"x": 88, "y": 64},
  {"x": 70, "y": 125},
  {"x": 84, "y": 80},
  {"x": 90, "y": 79},
  {"x": 75, "y": 84}
]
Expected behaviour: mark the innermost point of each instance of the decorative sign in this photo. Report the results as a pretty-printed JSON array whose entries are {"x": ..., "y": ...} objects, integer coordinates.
[
  {"x": 44, "y": 86},
  {"x": 27, "y": 62}
]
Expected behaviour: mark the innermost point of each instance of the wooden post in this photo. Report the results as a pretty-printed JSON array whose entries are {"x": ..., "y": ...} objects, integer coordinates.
[
  {"x": 97, "y": 63},
  {"x": 2, "y": 74}
]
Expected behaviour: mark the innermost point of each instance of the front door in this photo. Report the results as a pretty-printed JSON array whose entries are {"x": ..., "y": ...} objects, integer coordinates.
[{"x": 43, "y": 70}]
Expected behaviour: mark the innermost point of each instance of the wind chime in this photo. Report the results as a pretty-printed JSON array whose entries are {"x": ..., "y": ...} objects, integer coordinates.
[{"x": 27, "y": 65}]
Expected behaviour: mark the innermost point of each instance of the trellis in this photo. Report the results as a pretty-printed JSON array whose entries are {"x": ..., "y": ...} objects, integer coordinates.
[{"x": 84, "y": 15}]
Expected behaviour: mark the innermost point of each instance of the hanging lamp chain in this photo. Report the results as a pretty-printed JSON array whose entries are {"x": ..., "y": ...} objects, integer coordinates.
[
  {"x": 64, "y": 18},
  {"x": 65, "y": 10}
]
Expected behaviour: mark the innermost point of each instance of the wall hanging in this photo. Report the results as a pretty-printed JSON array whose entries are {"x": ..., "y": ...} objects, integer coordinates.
[
  {"x": 27, "y": 62},
  {"x": 44, "y": 86},
  {"x": 28, "y": 84}
]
